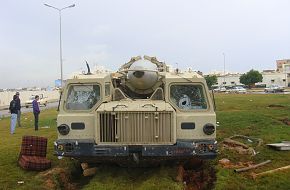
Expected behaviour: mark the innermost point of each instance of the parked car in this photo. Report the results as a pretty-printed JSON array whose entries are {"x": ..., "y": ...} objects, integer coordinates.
[
  {"x": 237, "y": 89},
  {"x": 274, "y": 88},
  {"x": 42, "y": 101},
  {"x": 220, "y": 89}
]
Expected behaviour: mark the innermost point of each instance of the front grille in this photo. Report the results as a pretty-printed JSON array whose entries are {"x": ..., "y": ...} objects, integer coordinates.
[{"x": 136, "y": 127}]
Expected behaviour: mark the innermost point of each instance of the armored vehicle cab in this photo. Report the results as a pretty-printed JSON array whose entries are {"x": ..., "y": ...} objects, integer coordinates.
[{"x": 142, "y": 111}]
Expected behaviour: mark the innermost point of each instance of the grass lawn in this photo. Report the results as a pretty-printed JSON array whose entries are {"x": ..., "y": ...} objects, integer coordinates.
[
  {"x": 250, "y": 115},
  {"x": 237, "y": 114}
]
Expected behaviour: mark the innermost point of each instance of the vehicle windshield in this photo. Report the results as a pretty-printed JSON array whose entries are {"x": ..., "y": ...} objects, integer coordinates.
[
  {"x": 188, "y": 97},
  {"x": 82, "y": 97}
]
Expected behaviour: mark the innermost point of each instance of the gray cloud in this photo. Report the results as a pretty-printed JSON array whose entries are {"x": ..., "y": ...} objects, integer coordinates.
[{"x": 252, "y": 33}]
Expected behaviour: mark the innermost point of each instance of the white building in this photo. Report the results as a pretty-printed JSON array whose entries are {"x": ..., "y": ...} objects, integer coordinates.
[
  {"x": 269, "y": 77},
  {"x": 274, "y": 78},
  {"x": 229, "y": 80}
]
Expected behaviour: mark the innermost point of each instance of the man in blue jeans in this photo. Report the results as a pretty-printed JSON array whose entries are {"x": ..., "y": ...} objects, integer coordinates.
[
  {"x": 18, "y": 105},
  {"x": 36, "y": 111},
  {"x": 14, "y": 111}
]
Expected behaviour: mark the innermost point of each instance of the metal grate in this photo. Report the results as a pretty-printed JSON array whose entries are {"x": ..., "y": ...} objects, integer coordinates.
[{"x": 136, "y": 127}]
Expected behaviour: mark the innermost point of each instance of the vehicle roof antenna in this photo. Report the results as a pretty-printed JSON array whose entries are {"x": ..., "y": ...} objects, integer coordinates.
[{"x": 89, "y": 70}]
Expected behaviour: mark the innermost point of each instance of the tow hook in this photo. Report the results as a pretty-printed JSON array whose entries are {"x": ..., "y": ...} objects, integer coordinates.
[{"x": 136, "y": 158}]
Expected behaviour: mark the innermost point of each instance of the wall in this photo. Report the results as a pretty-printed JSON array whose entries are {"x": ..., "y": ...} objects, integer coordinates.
[
  {"x": 230, "y": 80},
  {"x": 268, "y": 79},
  {"x": 6, "y": 97}
]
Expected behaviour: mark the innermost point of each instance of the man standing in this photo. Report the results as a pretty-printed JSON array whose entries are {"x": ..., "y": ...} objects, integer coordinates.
[
  {"x": 13, "y": 110},
  {"x": 36, "y": 111},
  {"x": 18, "y": 106}
]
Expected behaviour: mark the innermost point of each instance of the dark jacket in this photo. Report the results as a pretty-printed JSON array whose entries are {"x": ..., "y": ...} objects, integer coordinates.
[
  {"x": 35, "y": 106},
  {"x": 13, "y": 107},
  {"x": 18, "y": 104}
]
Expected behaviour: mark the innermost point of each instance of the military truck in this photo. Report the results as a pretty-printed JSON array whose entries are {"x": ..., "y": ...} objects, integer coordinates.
[{"x": 143, "y": 111}]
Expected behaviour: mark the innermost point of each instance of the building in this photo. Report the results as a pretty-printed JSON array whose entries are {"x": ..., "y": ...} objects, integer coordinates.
[
  {"x": 269, "y": 77},
  {"x": 229, "y": 79},
  {"x": 283, "y": 65},
  {"x": 280, "y": 76},
  {"x": 273, "y": 77}
]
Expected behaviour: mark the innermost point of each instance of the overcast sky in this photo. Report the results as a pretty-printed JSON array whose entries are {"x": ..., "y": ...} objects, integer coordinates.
[{"x": 251, "y": 33}]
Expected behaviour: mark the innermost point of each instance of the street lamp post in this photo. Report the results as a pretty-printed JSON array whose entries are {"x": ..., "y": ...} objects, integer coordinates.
[
  {"x": 224, "y": 68},
  {"x": 286, "y": 78},
  {"x": 60, "y": 42}
]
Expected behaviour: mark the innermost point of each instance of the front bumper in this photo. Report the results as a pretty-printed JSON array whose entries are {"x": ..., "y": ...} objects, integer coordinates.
[{"x": 205, "y": 149}]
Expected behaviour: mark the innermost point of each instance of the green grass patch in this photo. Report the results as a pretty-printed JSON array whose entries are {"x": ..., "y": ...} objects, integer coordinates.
[
  {"x": 247, "y": 114},
  {"x": 252, "y": 116}
]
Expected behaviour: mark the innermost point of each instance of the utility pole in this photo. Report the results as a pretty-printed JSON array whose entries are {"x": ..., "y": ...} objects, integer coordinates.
[
  {"x": 60, "y": 41},
  {"x": 224, "y": 69}
]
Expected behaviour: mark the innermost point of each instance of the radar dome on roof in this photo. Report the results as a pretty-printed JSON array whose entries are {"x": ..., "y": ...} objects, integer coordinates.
[{"x": 143, "y": 74}]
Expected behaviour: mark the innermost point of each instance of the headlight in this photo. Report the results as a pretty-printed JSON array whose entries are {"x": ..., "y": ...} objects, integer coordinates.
[
  {"x": 63, "y": 129},
  {"x": 208, "y": 129}
]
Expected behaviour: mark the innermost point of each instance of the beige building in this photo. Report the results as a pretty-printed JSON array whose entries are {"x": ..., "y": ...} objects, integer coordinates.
[
  {"x": 283, "y": 65},
  {"x": 269, "y": 77},
  {"x": 280, "y": 76}
]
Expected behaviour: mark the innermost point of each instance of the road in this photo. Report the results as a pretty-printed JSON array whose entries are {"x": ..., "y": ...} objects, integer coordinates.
[{"x": 5, "y": 113}]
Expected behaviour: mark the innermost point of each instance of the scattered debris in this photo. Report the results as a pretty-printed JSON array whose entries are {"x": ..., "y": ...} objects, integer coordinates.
[
  {"x": 180, "y": 173},
  {"x": 239, "y": 147},
  {"x": 226, "y": 163},
  {"x": 252, "y": 167},
  {"x": 286, "y": 121},
  {"x": 84, "y": 166},
  {"x": 284, "y": 145},
  {"x": 45, "y": 127},
  {"x": 275, "y": 106},
  {"x": 199, "y": 179},
  {"x": 55, "y": 177},
  {"x": 90, "y": 171},
  {"x": 249, "y": 139},
  {"x": 87, "y": 171},
  {"x": 20, "y": 182},
  {"x": 254, "y": 175}
]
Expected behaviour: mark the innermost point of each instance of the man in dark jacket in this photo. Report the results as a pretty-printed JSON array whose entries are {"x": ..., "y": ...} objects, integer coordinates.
[
  {"x": 18, "y": 105},
  {"x": 36, "y": 111},
  {"x": 13, "y": 110}
]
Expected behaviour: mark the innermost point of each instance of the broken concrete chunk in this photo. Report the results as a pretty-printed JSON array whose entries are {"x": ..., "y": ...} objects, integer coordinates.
[
  {"x": 90, "y": 172},
  {"x": 84, "y": 166},
  {"x": 224, "y": 161}
]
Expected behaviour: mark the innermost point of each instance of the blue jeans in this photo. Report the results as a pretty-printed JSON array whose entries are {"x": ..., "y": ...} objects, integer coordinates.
[
  {"x": 13, "y": 122},
  {"x": 18, "y": 118}
]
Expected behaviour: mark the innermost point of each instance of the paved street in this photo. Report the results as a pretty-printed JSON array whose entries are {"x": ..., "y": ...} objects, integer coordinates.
[{"x": 5, "y": 113}]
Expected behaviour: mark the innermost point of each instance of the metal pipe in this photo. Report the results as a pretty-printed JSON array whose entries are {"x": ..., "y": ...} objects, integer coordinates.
[{"x": 60, "y": 39}]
